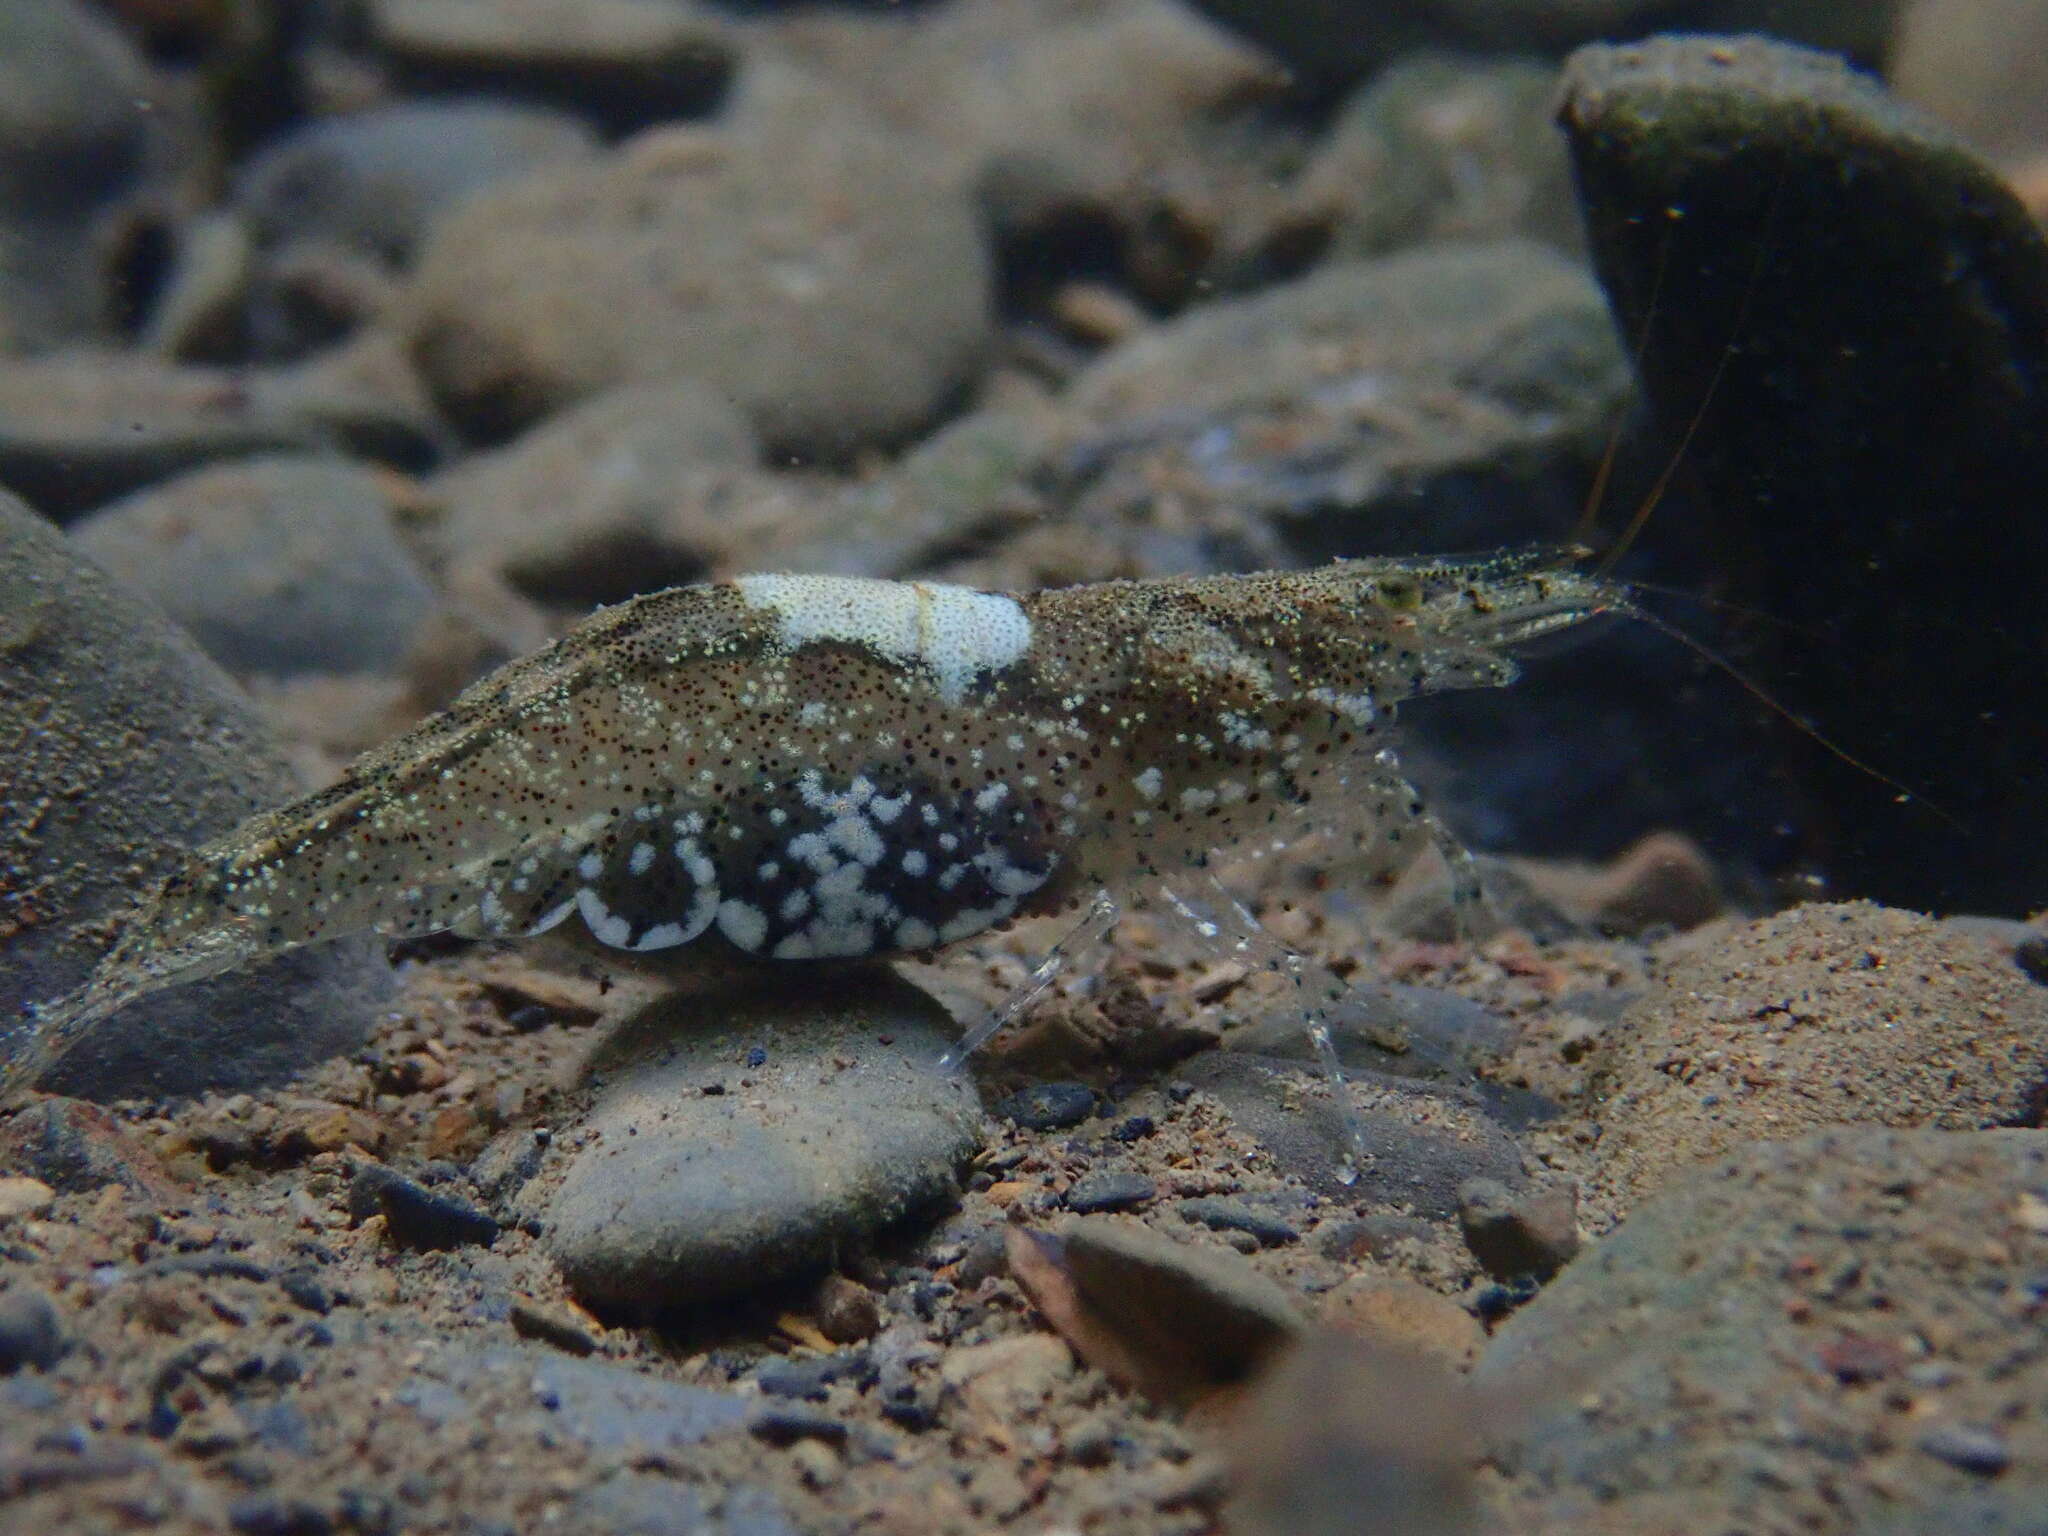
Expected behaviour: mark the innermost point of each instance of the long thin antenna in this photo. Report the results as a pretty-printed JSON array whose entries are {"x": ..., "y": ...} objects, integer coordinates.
[
  {"x": 1764, "y": 245},
  {"x": 1764, "y": 697},
  {"x": 1596, "y": 497}
]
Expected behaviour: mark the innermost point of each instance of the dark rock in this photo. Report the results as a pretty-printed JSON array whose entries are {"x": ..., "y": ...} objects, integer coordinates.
[
  {"x": 986, "y": 1255},
  {"x": 1534, "y": 1233},
  {"x": 810, "y": 1376},
  {"x": 79, "y": 428},
  {"x": 1416, "y": 1160},
  {"x": 1816, "y": 212},
  {"x": 1110, "y": 1190},
  {"x": 965, "y": 485},
  {"x": 120, "y": 738},
  {"x": 552, "y": 1325},
  {"x": 418, "y": 1217},
  {"x": 801, "y": 258},
  {"x": 784, "y": 1426},
  {"x": 624, "y": 63},
  {"x": 1048, "y": 1106},
  {"x": 2031, "y": 956},
  {"x": 1708, "y": 1310},
  {"x": 1968, "y": 1446},
  {"x": 374, "y": 181},
  {"x": 1336, "y": 40},
  {"x": 275, "y": 565},
  {"x": 672, "y": 1196},
  {"x": 1220, "y": 1215},
  {"x": 31, "y": 1333},
  {"x": 278, "y": 1515},
  {"x": 847, "y": 1311},
  {"x": 1389, "y": 1028}
]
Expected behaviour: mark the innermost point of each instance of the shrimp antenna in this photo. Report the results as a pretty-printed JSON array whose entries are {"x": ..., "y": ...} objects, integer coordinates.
[
  {"x": 1763, "y": 696},
  {"x": 1603, "y": 476},
  {"x": 1723, "y": 605},
  {"x": 1641, "y": 517}
]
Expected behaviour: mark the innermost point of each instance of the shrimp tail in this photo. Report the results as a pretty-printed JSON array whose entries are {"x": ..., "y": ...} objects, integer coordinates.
[{"x": 168, "y": 939}]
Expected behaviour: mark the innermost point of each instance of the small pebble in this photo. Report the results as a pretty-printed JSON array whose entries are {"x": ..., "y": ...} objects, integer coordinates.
[
  {"x": 2031, "y": 956},
  {"x": 1114, "y": 1190},
  {"x": 779, "y": 1425},
  {"x": 30, "y": 1330},
  {"x": 1968, "y": 1447},
  {"x": 1511, "y": 1234},
  {"x": 275, "y": 1515},
  {"x": 552, "y": 1325},
  {"x": 672, "y": 1198},
  {"x": 985, "y": 1256},
  {"x": 21, "y": 1196},
  {"x": 1049, "y": 1106},
  {"x": 416, "y": 1216},
  {"x": 1265, "y": 1230},
  {"x": 847, "y": 1311},
  {"x": 810, "y": 1376}
]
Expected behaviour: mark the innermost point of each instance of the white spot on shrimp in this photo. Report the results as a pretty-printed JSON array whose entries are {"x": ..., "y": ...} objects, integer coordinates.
[
  {"x": 955, "y": 631},
  {"x": 1150, "y": 783},
  {"x": 606, "y": 925},
  {"x": 641, "y": 859},
  {"x": 554, "y": 917},
  {"x": 745, "y": 925},
  {"x": 857, "y": 837},
  {"x": 1358, "y": 708}
]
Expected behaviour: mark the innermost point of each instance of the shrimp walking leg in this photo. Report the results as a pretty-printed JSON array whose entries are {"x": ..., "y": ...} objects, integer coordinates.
[
  {"x": 1224, "y": 922},
  {"x": 1095, "y": 926}
]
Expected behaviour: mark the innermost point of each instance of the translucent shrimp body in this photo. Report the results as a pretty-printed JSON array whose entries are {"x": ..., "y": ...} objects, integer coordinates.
[{"x": 809, "y": 768}]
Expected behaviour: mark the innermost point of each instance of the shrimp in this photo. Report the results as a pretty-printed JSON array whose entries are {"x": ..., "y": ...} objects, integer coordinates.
[{"x": 790, "y": 768}]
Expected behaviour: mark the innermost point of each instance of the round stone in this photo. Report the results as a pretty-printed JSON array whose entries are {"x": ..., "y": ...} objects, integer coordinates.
[{"x": 698, "y": 1174}]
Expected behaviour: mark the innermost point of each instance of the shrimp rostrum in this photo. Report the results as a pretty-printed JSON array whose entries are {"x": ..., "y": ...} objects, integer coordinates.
[{"x": 820, "y": 768}]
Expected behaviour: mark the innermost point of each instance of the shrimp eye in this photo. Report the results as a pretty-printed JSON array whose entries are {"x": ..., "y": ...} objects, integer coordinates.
[{"x": 1400, "y": 592}]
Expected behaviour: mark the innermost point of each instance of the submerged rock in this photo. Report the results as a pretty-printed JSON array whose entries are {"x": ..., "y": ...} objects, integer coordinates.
[
  {"x": 276, "y": 565},
  {"x": 800, "y": 256},
  {"x": 1769, "y": 1344},
  {"x": 375, "y": 181},
  {"x": 1823, "y": 1015},
  {"x": 80, "y": 427},
  {"x": 76, "y": 113},
  {"x": 121, "y": 740},
  {"x": 1340, "y": 39},
  {"x": 737, "y": 1139},
  {"x": 624, "y": 63},
  {"x": 1867, "y": 306}
]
